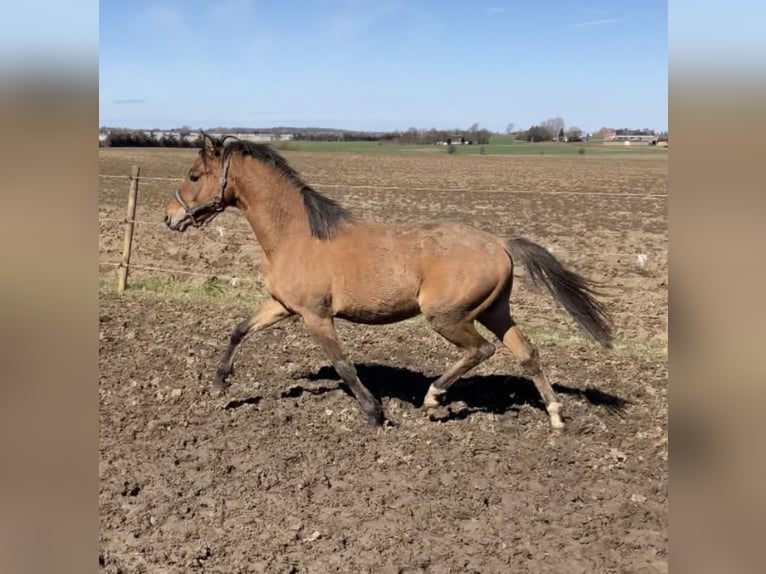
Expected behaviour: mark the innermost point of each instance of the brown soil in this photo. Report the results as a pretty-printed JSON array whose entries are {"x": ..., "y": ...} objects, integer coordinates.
[{"x": 283, "y": 475}]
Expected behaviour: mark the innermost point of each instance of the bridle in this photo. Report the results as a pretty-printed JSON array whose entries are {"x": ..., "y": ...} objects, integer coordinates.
[{"x": 215, "y": 205}]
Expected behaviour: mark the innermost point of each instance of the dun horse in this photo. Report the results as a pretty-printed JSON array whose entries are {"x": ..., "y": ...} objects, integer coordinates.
[{"x": 320, "y": 262}]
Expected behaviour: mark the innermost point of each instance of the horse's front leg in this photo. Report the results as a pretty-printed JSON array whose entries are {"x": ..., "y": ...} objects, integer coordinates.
[
  {"x": 323, "y": 330},
  {"x": 272, "y": 311}
]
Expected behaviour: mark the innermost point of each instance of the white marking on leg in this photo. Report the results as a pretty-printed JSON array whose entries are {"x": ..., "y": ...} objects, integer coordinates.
[
  {"x": 554, "y": 410},
  {"x": 432, "y": 399}
]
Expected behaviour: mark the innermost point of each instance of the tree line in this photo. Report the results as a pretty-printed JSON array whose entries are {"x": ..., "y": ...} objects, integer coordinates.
[
  {"x": 412, "y": 136},
  {"x": 552, "y": 129},
  {"x": 136, "y": 138}
]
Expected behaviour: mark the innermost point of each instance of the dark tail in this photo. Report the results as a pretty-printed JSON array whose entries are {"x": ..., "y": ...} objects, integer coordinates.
[{"x": 571, "y": 290}]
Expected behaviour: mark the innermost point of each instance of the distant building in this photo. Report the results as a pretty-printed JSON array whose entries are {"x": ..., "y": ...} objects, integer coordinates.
[
  {"x": 632, "y": 140},
  {"x": 455, "y": 139},
  {"x": 260, "y": 138}
]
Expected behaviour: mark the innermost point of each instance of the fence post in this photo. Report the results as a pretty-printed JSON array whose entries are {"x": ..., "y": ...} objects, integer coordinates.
[{"x": 122, "y": 272}]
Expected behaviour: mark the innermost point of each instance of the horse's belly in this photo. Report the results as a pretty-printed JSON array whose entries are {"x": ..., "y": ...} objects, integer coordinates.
[
  {"x": 376, "y": 303},
  {"x": 376, "y": 317}
]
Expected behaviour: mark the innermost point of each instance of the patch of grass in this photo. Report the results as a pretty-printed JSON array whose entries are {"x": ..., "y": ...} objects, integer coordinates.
[
  {"x": 151, "y": 158},
  {"x": 355, "y": 147},
  {"x": 649, "y": 349},
  {"x": 496, "y": 146},
  {"x": 222, "y": 294},
  {"x": 287, "y": 146},
  {"x": 571, "y": 337},
  {"x": 213, "y": 290}
]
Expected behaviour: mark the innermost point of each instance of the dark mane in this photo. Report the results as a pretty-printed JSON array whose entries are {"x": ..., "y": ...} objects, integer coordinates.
[{"x": 325, "y": 215}]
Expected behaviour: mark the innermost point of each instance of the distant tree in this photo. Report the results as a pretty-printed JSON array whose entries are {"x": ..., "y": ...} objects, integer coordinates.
[
  {"x": 561, "y": 134},
  {"x": 478, "y": 135},
  {"x": 553, "y": 125},
  {"x": 539, "y": 134},
  {"x": 509, "y": 128},
  {"x": 574, "y": 134},
  {"x": 482, "y": 136},
  {"x": 168, "y": 141},
  {"x": 411, "y": 136}
]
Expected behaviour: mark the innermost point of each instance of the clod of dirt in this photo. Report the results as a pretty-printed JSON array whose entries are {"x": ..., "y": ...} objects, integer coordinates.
[
  {"x": 130, "y": 489},
  {"x": 203, "y": 555},
  {"x": 617, "y": 455},
  {"x": 236, "y": 403}
]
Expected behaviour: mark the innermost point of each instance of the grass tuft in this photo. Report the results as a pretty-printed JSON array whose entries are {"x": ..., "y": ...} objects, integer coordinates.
[
  {"x": 213, "y": 290},
  {"x": 224, "y": 295}
]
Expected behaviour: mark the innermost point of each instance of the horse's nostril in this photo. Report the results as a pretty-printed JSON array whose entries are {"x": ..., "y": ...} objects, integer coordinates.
[{"x": 167, "y": 220}]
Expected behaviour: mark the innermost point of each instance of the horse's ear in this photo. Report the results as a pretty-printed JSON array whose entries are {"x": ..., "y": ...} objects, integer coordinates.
[{"x": 208, "y": 145}]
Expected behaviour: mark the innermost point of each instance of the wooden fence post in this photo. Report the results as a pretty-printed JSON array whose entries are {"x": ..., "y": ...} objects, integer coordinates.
[{"x": 122, "y": 272}]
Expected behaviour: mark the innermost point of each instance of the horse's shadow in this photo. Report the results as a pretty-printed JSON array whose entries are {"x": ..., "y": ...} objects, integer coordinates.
[{"x": 496, "y": 394}]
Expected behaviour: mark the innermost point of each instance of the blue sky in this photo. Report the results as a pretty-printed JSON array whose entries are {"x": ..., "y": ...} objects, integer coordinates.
[{"x": 383, "y": 64}]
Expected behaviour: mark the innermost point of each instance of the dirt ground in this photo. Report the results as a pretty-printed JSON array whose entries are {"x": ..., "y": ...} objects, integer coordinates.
[{"x": 283, "y": 475}]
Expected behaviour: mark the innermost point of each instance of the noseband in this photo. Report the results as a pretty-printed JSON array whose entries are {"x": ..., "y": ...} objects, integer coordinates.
[{"x": 213, "y": 206}]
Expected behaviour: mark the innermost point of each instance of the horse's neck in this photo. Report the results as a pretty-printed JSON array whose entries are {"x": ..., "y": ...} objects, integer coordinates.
[{"x": 271, "y": 203}]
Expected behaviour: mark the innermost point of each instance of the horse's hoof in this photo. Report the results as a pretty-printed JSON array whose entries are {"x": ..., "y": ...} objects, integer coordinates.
[
  {"x": 220, "y": 386},
  {"x": 434, "y": 398},
  {"x": 376, "y": 419},
  {"x": 557, "y": 426},
  {"x": 554, "y": 411},
  {"x": 222, "y": 377}
]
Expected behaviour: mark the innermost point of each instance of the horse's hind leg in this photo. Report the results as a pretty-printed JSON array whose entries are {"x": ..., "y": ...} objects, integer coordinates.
[
  {"x": 272, "y": 311},
  {"x": 323, "y": 330},
  {"x": 476, "y": 349},
  {"x": 498, "y": 320}
]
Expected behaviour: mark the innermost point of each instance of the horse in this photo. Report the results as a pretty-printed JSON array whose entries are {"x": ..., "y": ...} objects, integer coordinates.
[{"x": 320, "y": 262}]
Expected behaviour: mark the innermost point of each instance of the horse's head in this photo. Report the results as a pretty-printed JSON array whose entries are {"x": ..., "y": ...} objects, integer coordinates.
[{"x": 202, "y": 195}]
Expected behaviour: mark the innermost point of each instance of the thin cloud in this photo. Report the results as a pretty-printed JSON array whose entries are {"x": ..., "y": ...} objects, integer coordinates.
[
  {"x": 601, "y": 22},
  {"x": 133, "y": 101},
  {"x": 162, "y": 15},
  {"x": 358, "y": 18},
  {"x": 495, "y": 10}
]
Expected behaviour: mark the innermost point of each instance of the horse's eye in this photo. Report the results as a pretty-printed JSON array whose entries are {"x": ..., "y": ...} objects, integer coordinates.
[{"x": 194, "y": 176}]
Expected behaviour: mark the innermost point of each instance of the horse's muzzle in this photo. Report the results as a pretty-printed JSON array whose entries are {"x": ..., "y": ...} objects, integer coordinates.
[{"x": 178, "y": 224}]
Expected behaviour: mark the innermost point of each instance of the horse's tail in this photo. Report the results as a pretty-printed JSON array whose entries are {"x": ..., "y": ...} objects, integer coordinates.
[{"x": 572, "y": 291}]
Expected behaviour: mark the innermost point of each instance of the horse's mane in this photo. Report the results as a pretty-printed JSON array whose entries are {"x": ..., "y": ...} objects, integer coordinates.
[{"x": 325, "y": 215}]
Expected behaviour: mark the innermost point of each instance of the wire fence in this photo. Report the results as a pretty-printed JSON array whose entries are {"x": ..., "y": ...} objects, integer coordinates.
[
  {"x": 446, "y": 189},
  {"x": 624, "y": 254},
  {"x": 234, "y": 278}
]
